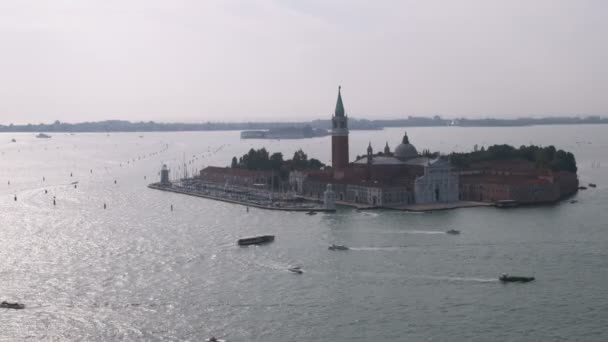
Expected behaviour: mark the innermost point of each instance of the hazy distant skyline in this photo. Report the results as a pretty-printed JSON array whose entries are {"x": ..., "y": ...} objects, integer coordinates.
[{"x": 240, "y": 60}]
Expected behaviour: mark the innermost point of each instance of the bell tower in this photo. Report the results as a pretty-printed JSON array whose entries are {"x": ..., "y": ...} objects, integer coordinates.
[{"x": 339, "y": 138}]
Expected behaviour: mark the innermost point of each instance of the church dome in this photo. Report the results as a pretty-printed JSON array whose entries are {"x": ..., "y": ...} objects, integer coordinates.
[{"x": 405, "y": 150}]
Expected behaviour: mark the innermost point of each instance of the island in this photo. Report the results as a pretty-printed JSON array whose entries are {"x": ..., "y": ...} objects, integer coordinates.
[{"x": 401, "y": 178}]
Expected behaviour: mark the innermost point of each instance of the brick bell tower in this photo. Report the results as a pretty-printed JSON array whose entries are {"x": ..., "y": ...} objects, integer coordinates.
[{"x": 339, "y": 139}]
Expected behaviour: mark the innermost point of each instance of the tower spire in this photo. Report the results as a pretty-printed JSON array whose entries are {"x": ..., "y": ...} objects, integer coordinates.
[{"x": 339, "y": 105}]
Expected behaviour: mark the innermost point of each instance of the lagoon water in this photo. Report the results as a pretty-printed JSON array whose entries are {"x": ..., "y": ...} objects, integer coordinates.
[{"x": 137, "y": 271}]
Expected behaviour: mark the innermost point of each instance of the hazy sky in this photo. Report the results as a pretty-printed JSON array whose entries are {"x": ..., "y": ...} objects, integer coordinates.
[{"x": 234, "y": 60}]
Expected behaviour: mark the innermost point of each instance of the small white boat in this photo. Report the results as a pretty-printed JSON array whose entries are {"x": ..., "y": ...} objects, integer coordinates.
[
  {"x": 335, "y": 247},
  {"x": 297, "y": 270}
]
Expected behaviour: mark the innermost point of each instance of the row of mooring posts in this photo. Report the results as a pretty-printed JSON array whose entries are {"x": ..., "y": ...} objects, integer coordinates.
[{"x": 105, "y": 206}]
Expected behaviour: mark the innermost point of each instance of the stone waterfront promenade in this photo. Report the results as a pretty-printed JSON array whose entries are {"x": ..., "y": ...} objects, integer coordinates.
[{"x": 248, "y": 197}]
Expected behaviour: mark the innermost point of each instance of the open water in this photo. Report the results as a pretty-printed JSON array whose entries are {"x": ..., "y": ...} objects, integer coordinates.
[{"x": 138, "y": 271}]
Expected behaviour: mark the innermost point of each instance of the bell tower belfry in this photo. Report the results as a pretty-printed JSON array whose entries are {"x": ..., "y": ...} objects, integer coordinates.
[{"x": 339, "y": 137}]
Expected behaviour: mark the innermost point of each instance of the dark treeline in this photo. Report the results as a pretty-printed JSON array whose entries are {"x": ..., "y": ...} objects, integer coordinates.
[
  {"x": 263, "y": 160},
  {"x": 353, "y": 123},
  {"x": 544, "y": 157}
]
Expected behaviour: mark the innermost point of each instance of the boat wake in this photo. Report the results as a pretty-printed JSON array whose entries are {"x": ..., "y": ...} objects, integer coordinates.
[
  {"x": 368, "y": 214},
  {"x": 458, "y": 279},
  {"x": 423, "y": 232},
  {"x": 391, "y": 248}
]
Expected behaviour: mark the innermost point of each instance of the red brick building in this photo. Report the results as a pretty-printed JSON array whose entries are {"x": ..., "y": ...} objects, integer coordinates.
[
  {"x": 517, "y": 180},
  {"x": 339, "y": 139}
]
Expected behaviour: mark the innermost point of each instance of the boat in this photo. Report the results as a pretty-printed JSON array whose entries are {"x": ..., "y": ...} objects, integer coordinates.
[
  {"x": 7, "y": 305},
  {"x": 505, "y": 278},
  {"x": 257, "y": 240},
  {"x": 335, "y": 247},
  {"x": 13, "y": 140},
  {"x": 507, "y": 204},
  {"x": 311, "y": 213},
  {"x": 582, "y": 188},
  {"x": 297, "y": 270},
  {"x": 453, "y": 232},
  {"x": 43, "y": 136},
  {"x": 213, "y": 339},
  {"x": 593, "y": 185},
  {"x": 573, "y": 201}
]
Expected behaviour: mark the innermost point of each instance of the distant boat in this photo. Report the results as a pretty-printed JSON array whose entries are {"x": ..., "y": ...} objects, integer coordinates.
[
  {"x": 335, "y": 247},
  {"x": 453, "y": 232},
  {"x": 296, "y": 269},
  {"x": 505, "y": 278},
  {"x": 13, "y": 140},
  {"x": 573, "y": 201},
  {"x": 593, "y": 185},
  {"x": 213, "y": 339},
  {"x": 257, "y": 240},
  {"x": 43, "y": 136},
  {"x": 311, "y": 213},
  {"x": 16, "y": 306},
  {"x": 582, "y": 188},
  {"x": 507, "y": 204}
]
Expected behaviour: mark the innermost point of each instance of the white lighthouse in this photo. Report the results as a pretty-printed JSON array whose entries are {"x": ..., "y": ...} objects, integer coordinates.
[
  {"x": 164, "y": 175},
  {"x": 329, "y": 198}
]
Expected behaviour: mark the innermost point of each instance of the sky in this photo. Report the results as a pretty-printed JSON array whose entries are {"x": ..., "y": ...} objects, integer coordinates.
[{"x": 282, "y": 60}]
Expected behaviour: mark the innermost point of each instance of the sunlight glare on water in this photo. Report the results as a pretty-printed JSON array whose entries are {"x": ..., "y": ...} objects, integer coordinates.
[{"x": 139, "y": 271}]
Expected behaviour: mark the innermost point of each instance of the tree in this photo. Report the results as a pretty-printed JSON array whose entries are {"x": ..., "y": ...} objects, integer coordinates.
[
  {"x": 300, "y": 160},
  {"x": 276, "y": 161},
  {"x": 543, "y": 157}
]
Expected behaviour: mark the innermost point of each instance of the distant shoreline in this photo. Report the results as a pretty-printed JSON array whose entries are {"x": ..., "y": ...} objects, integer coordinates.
[{"x": 354, "y": 124}]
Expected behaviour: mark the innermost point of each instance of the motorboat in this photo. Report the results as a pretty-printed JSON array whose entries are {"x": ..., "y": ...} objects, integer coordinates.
[
  {"x": 573, "y": 201},
  {"x": 213, "y": 339},
  {"x": 257, "y": 240},
  {"x": 297, "y": 270},
  {"x": 505, "y": 278},
  {"x": 453, "y": 232},
  {"x": 582, "y": 188},
  {"x": 593, "y": 185},
  {"x": 43, "y": 136},
  {"x": 506, "y": 204},
  {"x": 335, "y": 247},
  {"x": 13, "y": 140},
  {"x": 7, "y": 305}
]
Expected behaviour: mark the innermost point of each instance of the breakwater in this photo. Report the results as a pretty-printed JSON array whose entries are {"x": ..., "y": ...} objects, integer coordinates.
[{"x": 229, "y": 197}]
